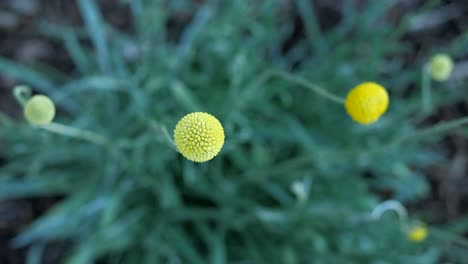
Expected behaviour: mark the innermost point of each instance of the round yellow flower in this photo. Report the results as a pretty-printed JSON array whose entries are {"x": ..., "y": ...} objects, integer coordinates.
[
  {"x": 39, "y": 110},
  {"x": 199, "y": 136},
  {"x": 417, "y": 233},
  {"x": 441, "y": 67},
  {"x": 366, "y": 102}
]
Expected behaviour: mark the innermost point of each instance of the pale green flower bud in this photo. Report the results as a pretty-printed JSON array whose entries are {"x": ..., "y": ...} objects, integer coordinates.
[
  {"x": 39, "y": 110},
  {"x": 441, "y": 67}
]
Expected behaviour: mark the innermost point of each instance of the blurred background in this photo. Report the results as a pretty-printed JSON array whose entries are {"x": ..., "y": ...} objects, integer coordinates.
[{"x": 296, "y": 179}]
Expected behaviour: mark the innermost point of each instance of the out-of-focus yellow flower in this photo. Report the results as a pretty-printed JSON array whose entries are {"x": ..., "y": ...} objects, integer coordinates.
[
  {"x": 366, "y": 102},
  {"x": 39, "y": 110},
  {"x": 441, "y": 67},
  {"x": 417, "y": 233},
  {"x": 199, "y": 136}
]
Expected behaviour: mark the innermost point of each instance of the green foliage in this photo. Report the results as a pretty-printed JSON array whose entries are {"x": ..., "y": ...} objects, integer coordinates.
[{"x": 288, "y": 185}]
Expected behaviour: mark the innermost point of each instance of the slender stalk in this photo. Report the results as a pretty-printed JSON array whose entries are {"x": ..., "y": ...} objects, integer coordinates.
[
  {"x": 4, "y": 119},
  {"x": 268, "y": 74},
  {"x": 426, "y": 92},
  {"x": 157, "y": 126},
  {"x": 252, "y": 87},
  {"x": 420, "y": 135},
  {"x": 22, "y": 93},
  {"x": 391, "y": 205},
  {"x": 313, "y": 87},
  {"x": 433, "y": 130},
  {"x": 444, "y": 235},
  {"x": 76, "y": 133}
]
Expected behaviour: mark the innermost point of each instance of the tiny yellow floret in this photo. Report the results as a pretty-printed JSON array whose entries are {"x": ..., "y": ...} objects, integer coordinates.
[
  {"x": 39, "y": 110},
  {"x": 199, "y": 136},
  {"x": 366, "y": 102},
  {"x": 441, "y": 67},
  {"x": 417, "y": 233}
]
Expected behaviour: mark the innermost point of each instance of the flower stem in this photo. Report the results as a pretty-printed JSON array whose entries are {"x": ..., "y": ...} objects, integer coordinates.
[
  {"x": 313, "y": 87},
  {"x": 76, "y": 133},
  {"x": 22, "y": 94},
  {"x": 426, "y": 92},
  {"x": 157, "y": 126},
  {"x": 449, "y": 237},
  {"x": 268, "y": 74},
  {"x": 5, "y": 119},
  {"x": 435, "y": 129},
  {"x": 419, "y": 135},
  {"x": 391, "y": 205}
]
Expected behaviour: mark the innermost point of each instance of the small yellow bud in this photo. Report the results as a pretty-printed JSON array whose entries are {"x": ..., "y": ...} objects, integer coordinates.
[
  {"x": 199, "y": 136},
  {"x": 417, "y": 233},
  {"x": 366, "y": 102},
  {"x": 441, "y": 67},
  {"x": 39, "y": 110}
]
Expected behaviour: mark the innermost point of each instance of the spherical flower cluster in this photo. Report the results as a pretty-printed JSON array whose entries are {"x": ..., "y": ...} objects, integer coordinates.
[
  {"x": 417, "y": 233},
  {"x": 39, "y": 110},
  {"x": 441, "y": 67},
  {"x": 199, "y": 136},
  {"x": 367, "y": 102}
]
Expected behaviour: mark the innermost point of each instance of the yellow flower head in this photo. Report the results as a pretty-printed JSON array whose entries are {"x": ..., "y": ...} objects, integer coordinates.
[
  {"x": 39, "y": 110},
  {"x": 417, "y": 233},
  {"x": 366, "y": 102},
  {"x": 199, "y": 136},
  {"x": 440, "y": 67}
]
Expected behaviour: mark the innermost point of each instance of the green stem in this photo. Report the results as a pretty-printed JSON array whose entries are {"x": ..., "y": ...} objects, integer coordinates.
[
  {"x": 426, "y": 92},
  {"x": 313, "y": 87},
  {"x": 155, "y": 125},
  {"x": 444, "y": 235},
  {"x": 421, "y": 134},
  {"x": 22, "y": 94},
  {"x": 76, "y": 133},
  {"x": 268, "y": 74},
  {"x": 434, "y": 130},
  {"x": 391, "y": 205},
  {"x": 5, "y": 119}
]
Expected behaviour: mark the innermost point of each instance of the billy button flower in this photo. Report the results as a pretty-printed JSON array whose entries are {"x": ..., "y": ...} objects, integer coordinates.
[
  {"x": 440, "y": 67},
  {"x": 199, "y": 136},
  {"x": 367, "y": 102},
  {"x": 39, "y": 110},
  {"x": 417, "y": 233}
]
